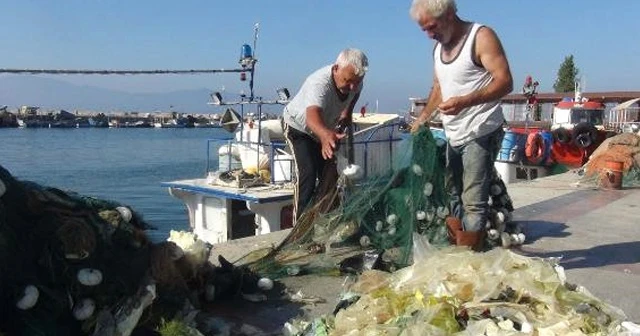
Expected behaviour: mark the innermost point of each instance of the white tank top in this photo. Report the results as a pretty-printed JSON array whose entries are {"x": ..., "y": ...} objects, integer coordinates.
[{"x": 459, "y": 77}]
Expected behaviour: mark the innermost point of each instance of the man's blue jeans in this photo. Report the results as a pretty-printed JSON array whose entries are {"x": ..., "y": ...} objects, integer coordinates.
[{"x": 470, "y": 171}]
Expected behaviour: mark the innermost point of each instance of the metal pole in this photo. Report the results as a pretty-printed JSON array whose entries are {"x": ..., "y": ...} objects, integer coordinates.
[{"x": 256, "y": 27}]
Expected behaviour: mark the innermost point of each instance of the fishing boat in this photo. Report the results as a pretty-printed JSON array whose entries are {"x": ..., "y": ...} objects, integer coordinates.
[
  {"x": 533, "y": 147},
  {"x": 250, "y": 189}
]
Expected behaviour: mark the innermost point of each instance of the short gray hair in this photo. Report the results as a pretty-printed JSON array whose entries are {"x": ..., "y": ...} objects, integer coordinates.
[
  {"x": 355, "y": 58},
  {"x": 435, "y": 8}
]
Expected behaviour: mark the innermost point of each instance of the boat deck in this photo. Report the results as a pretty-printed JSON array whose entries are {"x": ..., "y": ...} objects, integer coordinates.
[
  {"x": 258, "y": 194},
  {"x": 596, "y": 233}
]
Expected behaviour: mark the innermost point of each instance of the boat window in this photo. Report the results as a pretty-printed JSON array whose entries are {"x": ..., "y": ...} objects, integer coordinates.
[{"x": 589, "y": 116}]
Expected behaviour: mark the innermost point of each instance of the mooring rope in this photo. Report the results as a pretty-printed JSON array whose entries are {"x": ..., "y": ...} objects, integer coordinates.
[{"x": 119, "y": 72}]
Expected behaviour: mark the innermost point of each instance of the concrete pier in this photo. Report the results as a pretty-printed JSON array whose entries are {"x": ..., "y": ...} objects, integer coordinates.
[{"x": 596, "y": 232}]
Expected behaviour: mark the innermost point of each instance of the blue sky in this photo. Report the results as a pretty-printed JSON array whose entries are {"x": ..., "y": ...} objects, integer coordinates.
[{"x": 298, "y": 36}]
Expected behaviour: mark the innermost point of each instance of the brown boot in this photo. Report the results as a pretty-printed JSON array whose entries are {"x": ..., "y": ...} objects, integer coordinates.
[
  {"x": 472, "y": 239},
  {"x": 454, "y": 225}
]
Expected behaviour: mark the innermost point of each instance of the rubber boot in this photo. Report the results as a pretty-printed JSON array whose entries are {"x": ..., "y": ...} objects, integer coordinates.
[
  {"x": 454, "y": 225},
  {"x": 472, "y": 239}
]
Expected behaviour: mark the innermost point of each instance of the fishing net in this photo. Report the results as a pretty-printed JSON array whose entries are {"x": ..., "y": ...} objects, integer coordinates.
[
  {"x": 373, "y": 224},
  {"x": 623, "y": 149},
  {"x": 76, "y": 265},
  {"x": 48, "y": 238}
]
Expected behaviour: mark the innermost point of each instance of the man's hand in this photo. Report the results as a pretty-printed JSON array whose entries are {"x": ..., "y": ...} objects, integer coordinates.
[
  {"x": 452, "y": 106},
  {"x": 329, "y": 140},
  {"x": 415, "y": 125}
]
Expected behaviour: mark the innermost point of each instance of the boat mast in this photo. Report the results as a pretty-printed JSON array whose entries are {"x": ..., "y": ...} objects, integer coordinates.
[{"x": 254, "y": 60}]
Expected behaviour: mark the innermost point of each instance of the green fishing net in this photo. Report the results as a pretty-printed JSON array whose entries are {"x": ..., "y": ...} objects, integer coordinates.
[
  {"x": 47, "y": 237},
  {"x": 374, "y": 221}
]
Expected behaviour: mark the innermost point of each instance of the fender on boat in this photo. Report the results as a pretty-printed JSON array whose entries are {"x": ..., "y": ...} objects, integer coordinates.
[
  {"x": 534, "y": 148},
  {"x": 561, "y": 135},
  {"x": 584, "y": 135}
]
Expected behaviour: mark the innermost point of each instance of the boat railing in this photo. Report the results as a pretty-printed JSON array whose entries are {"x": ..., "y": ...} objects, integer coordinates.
[
  {"x": 274, "y": 151},
  {"x": 623, "y": 120},
  {"x": 374, "y": 149}
]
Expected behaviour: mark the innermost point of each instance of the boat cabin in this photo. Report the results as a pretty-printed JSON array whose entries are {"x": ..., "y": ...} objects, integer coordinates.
[{"x": 568, "y": 113}]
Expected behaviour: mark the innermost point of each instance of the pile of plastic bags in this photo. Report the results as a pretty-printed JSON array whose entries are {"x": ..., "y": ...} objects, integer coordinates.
[{"x": 454, "y": 291}]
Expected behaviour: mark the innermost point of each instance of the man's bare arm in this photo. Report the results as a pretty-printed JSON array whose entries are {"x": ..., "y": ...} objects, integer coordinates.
[
  {"x": 328, "y": 137},
  {"x": 427, "y": 112},
  {"x": 491, "y": 55}
]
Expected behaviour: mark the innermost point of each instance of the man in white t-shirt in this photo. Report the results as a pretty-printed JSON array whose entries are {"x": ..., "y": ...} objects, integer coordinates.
[{"x": 325, "y": 100}]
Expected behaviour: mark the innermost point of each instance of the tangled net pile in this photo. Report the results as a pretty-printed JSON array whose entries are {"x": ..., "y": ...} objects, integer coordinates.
[
  {"x": 372, "y": 226},
  {"x": 624, "y": 148},
  {"x": 77, "y": 265},
  {"x": 390, "y": 231}
]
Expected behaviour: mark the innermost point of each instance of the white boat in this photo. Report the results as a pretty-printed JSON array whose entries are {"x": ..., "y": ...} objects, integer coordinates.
[
  {"x": 250, "y": 190},
  {"x": 221, "y": 209}
]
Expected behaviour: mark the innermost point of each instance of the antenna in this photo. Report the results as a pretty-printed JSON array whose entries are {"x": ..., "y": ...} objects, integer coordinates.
[{"x": 256, "y": 28}]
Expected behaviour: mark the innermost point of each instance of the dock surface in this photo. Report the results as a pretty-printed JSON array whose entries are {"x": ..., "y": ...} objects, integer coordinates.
[{"x": 596, "y": 232}]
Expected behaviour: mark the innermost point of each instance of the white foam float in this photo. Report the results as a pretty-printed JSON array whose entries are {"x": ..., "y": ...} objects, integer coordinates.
[
  {"x": 3, "y": 188},
  {"x": 417, "y": 169},
  {"x": 125, "y": 213},
  {"x": 84, "y": 309},
  {"x": 265, "y": 284},
  {"x": 89, "y": 277},
  {"x": 29, "y": 298},
  {"x": 428, "y": 189}
]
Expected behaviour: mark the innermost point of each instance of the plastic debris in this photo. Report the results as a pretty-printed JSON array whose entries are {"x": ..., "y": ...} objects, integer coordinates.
[
  {"x": 195, "y": 249},
  {"x": 453, "y": 290},
  {"x": 300, "y": 297}
]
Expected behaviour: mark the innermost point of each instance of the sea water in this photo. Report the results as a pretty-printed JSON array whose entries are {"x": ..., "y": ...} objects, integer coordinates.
[{"x": 125, "y": 165}]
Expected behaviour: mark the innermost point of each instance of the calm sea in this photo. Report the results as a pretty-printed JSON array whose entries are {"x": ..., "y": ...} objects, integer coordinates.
[{"x": 121, "y": 164}]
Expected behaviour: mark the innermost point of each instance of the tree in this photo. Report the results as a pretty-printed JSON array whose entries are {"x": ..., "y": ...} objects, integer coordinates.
[{"x": 567, "y": 76}]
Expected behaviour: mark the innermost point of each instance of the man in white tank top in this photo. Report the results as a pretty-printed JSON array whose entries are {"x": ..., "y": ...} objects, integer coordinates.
[{"x": 471, "y": 75}]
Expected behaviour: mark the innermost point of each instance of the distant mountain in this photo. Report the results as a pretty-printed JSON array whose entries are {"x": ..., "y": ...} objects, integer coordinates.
[{"x": 55, "y": 94}]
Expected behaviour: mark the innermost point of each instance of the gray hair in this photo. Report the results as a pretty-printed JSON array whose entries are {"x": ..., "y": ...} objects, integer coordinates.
[
  {"x": 355, "y": 58},
  {"x": 435, "y": 8}
]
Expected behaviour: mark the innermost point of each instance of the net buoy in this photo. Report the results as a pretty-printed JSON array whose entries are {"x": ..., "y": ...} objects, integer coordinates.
[
  {"x": 265, "y": 284},
  {"x": 84, "y": 309},
  {"x": 89, "y": 277},
  {"x": 125, "y": 213},
  {"x": 29, "y": 298}
]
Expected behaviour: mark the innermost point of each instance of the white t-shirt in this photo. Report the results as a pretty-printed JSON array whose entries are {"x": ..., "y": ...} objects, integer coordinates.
[{"x": 317, "y": 90}]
